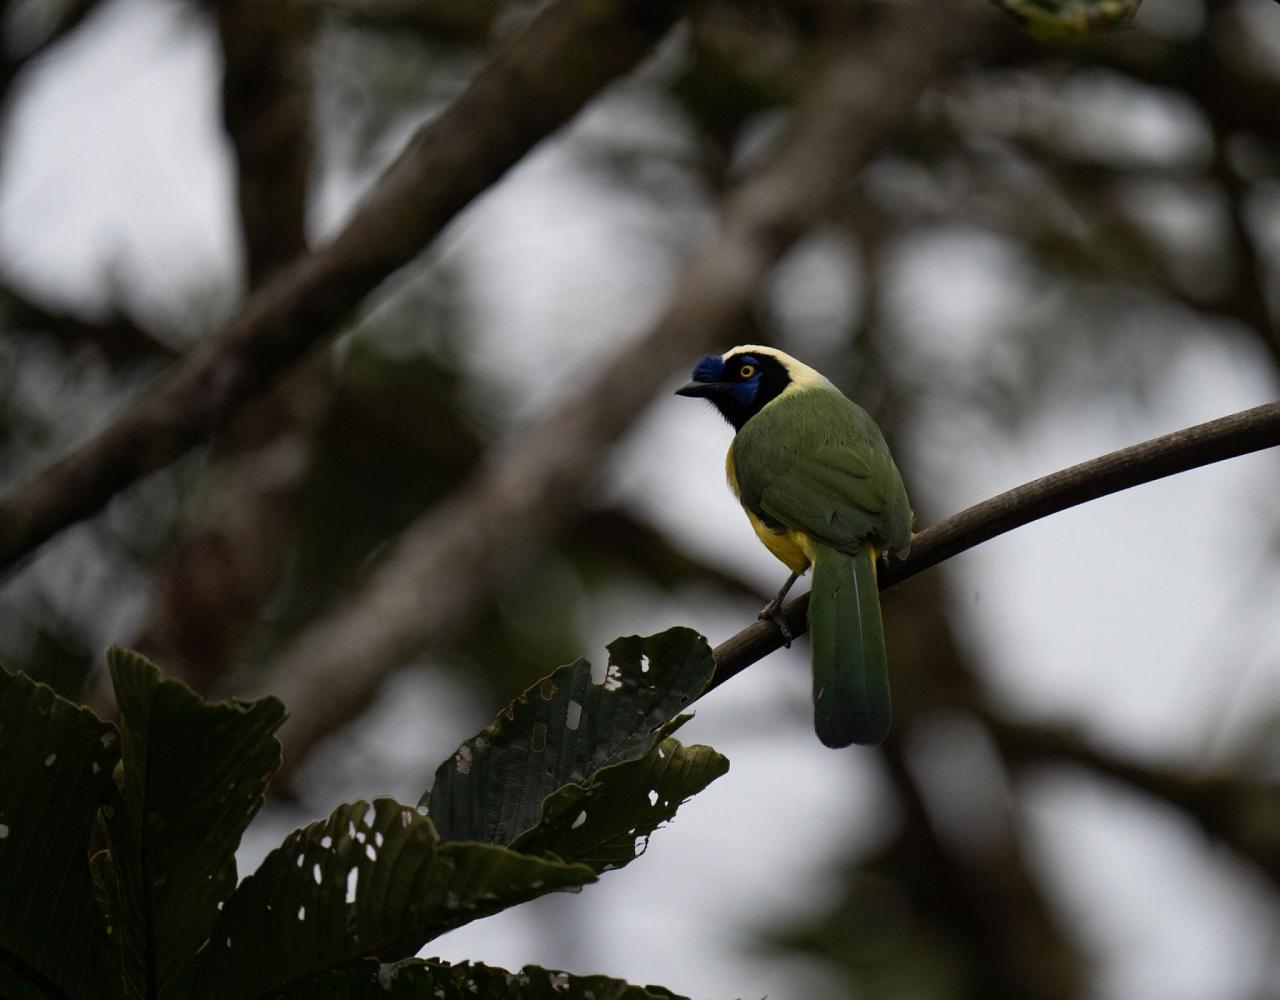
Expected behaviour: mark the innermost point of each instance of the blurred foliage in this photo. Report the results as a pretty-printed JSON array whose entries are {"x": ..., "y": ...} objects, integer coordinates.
[
  {"x": 1110, "y": 205},
  {"x": 1054, "y": 19}
]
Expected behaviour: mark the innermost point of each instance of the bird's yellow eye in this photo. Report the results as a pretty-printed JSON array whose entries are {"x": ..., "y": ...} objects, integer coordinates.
[{"x": 746, "y": 371}]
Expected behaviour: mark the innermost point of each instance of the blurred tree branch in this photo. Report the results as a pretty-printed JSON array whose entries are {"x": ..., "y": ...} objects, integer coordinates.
[
  {"x": 120, "y": 338},
  {"x": 71, "y": 15},
  {"x": 1242, "y": 813},
  {"x": 445, "y": 21},
  {"x": 446, "y": 562},
  {"x": 1250, "y": 286},
  {"x": 1203, "y": 444},
  {"x": 1013, "y": 943},
  {"x": 214, "y": 584},
  {"x": 570, "y": 51},
  {"x": 266, "y": 111}
]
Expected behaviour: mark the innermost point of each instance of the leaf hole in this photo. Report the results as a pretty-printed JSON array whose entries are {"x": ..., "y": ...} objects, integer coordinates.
[
  {"x": 302, "y": 913},
  {"x": 573, "y": 716},
  {"x": 582, "y": 818},
  {"x": 315, "y": 872},
  {"x": 463, "y": 759},
  {"x": 353, "y": 877},
  {"x": 653, "y": 797}
]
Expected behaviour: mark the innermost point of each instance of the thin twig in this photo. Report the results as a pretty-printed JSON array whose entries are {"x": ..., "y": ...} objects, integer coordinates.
[{"x": 1227, "y": 437}]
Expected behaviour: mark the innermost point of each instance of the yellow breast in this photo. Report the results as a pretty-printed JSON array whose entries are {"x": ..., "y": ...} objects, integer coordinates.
[{"x": 793, "y": 548}]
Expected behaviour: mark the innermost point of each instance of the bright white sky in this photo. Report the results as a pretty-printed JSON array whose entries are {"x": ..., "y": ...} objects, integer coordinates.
[{"x": 1148, "y": 617}]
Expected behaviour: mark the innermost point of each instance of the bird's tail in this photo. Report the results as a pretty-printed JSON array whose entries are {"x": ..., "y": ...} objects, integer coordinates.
[{"x": 850, "y": 673}]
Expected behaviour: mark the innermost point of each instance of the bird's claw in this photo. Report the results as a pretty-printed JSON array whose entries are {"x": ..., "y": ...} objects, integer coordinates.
[{"x": 772, "y": 612}]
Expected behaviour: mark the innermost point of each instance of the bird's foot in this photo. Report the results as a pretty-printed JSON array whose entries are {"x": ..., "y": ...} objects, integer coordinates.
[{"x": 772, "y": 612}]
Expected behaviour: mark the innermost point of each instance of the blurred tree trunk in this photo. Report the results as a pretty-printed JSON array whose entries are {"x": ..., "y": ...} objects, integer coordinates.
[{"x": 229, "y": 556}]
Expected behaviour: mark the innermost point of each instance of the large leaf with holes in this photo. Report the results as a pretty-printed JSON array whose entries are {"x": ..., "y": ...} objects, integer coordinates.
[
  {"x": 56, "y": 761},
  {"x": 371, "y": 880},
  {"x": 565, "y": 729},
  {"x": 606, "y": 822},
  {"x": 194, "y": 775},
  {"x": 416, "y": 979}
]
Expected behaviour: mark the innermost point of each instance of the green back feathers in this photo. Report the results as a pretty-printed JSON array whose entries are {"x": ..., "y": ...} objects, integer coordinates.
[{"x": 815, "y": 461}]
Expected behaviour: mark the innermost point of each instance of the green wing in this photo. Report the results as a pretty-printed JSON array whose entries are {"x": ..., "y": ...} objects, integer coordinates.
[{"x": 816, "y": 462}]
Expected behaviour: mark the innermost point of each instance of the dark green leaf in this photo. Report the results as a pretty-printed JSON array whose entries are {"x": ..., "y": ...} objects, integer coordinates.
[
  {"x": 606, "y": 823},
  {"x": 433, "y": 979},
  {"x": 563, "y": 730},
  {"x": 194, "y": 775},
  {"x": 372, "y": 880},
  {"x": 56, "y": 760}
]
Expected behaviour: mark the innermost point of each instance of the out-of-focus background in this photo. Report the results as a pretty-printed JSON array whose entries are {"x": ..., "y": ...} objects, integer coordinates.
[{"x": 1066, "y": 248}]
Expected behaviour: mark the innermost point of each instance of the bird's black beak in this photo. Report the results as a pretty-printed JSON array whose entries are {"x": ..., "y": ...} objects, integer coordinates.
[{"x": 698, "y": 389}]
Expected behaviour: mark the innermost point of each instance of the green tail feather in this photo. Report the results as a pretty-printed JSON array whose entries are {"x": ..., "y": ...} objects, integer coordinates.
[{"x": 850, "y": 673}]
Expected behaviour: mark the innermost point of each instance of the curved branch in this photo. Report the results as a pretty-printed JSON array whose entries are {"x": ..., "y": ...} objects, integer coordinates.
[
  {"x": 529, "y": 89},
  {"x": 1227, "y": 437}
]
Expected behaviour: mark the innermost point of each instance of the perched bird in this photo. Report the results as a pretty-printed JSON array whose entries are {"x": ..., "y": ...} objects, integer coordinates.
[{"x": 814, "y": 474}]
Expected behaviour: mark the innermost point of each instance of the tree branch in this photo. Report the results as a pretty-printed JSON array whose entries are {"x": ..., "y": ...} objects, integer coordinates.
[
  {"x": 1242, "y": 813},
  {"x": 441, "y": 21},
  {"x": 530, "y": 88},
  {"x": 212, "y": 587},
  {"x": 1214, "y": 441},
  {"x": 446, "y": 562},
  {"x": 266, "y": 111},
  {"x": 70, "y": 17},
  {"x": 118, "y": 335}
]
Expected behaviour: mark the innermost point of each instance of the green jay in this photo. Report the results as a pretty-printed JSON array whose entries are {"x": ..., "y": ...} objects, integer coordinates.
[{"x": 815, "y": 477}]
